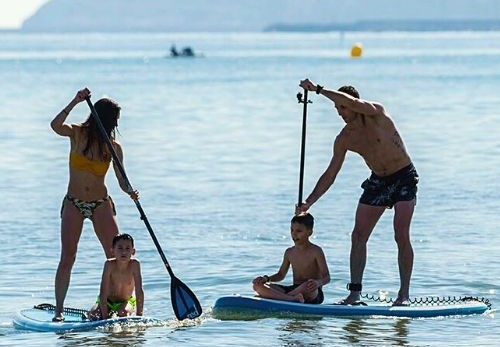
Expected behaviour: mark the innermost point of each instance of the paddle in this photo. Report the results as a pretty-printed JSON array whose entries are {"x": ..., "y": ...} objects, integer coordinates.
[
  {"x": 184, "y": 302},
  {"x": 304, "y": 101}
]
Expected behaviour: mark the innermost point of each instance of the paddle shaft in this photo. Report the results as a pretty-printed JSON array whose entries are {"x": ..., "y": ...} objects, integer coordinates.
[
  {"x": 184, "y": 302},
  {"x": 305, "y": 101},
  {"x": 124, "y": 175}
]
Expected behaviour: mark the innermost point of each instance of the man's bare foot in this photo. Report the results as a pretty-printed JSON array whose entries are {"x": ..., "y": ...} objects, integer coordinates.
[
  {"x": 401, "y": 302},
  {"x": 351, "y": 299}
]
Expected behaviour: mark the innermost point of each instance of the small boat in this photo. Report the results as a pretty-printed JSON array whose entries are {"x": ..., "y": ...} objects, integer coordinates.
[{"x": 185, "y": 52}]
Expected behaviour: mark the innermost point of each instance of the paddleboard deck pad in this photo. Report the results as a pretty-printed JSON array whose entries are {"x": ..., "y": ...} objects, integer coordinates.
[
  {"x": 247, "y": 307},
  {"x": 39, "y": 318}
]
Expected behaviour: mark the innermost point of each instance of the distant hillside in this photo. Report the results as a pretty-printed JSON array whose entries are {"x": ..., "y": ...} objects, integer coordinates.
[
  {"x": 249, "y": 15},
  {"x": 395, "y": 25}
]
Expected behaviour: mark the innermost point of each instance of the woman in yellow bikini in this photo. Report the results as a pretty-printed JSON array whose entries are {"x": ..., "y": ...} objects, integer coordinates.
[{"x": 87, "y": 195}]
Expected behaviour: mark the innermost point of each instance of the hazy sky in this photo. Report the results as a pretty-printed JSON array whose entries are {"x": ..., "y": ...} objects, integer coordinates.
[{"x": 14, "y": 12}]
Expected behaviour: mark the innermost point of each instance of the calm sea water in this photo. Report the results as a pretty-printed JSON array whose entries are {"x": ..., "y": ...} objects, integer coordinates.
[{"x": 213, "y": 146}]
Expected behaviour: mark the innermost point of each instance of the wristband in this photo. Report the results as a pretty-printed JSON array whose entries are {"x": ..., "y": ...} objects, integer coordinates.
[{"x": 318, "y": 89}]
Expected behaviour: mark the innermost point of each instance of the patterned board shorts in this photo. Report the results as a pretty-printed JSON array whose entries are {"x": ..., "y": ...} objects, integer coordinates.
[{"x": 388, "y": 190}]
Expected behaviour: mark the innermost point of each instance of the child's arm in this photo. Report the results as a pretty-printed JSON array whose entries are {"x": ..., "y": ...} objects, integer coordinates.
[
  {"x": 278, "y": 276},
  {"x": 324, "y": 273},
  {"x": 103, "y": 293},
  {"x": 139, "y": 292},
  {"x": 281, "y": 274}
]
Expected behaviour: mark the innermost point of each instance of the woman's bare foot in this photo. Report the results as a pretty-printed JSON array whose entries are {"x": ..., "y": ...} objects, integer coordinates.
[{"x": 58, "y": 318}]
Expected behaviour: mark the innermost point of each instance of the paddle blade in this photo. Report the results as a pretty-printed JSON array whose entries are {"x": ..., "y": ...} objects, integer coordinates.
[{"x": 184, "y": 302}]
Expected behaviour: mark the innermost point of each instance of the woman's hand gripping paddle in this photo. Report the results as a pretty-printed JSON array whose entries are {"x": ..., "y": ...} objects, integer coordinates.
[
  {"x": 184, "y": 302},
  {"x": 304, "y": 101}
]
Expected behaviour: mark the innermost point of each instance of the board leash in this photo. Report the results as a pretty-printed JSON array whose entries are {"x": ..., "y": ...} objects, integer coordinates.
[
  {"x": 432, "y": 300},
  {"x": 66, "y": 310}
]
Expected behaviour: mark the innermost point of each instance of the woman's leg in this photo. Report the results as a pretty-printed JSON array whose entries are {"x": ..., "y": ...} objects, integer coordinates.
[
  {"x": 105, "y": 226},
  {"x": 71, "y": 230}
]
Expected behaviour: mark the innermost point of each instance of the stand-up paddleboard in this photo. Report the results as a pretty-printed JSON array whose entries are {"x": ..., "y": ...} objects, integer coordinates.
[
  {"x": 40, "y": 317},
  {"x": 244, "y": 307}
]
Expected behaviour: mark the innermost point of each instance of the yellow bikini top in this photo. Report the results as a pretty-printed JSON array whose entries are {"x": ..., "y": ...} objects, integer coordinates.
[{"x": 81, "y": 162}]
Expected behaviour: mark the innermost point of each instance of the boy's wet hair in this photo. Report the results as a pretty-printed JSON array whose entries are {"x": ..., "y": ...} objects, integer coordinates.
[
  {"x": 349, "y": 90},
  {"x": 123, "y": 237},
  {"x": 305, "y": 218}
]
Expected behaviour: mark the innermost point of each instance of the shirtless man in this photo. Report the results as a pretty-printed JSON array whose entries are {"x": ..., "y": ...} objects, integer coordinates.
[
  {"x": 370, "y": 132},
  {"x": 310, "y": 271},
  {"x": 120, "y": 278}
]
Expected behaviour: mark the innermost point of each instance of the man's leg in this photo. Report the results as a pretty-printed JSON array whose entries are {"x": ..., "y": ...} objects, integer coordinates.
[
  {"x": 366, "y": 218},
  {"x": 403, "y": 213}
]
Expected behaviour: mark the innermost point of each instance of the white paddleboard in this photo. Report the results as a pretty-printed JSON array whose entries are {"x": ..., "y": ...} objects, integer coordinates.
[{"x": 38, "y": 319}]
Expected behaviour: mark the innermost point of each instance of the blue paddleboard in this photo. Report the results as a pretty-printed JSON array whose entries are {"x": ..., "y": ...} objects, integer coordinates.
[
  {"x": 40, "y": 319},
  {"x": 241, "y": 307}
]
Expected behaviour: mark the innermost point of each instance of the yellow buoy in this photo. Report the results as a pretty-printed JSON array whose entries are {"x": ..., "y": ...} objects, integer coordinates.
[{"x": 356, "y": 50}]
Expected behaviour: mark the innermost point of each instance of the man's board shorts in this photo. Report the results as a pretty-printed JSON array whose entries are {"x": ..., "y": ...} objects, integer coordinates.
[
  {"x": 388, "y": 190},
  {"x": 318, "y": 300},
  {"x": 115, "y": 306}
]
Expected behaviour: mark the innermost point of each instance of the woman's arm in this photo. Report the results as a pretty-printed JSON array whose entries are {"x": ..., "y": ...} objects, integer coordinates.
[
  {"x": 134, "y": 194},
  {"x": 58, "y": 124}
]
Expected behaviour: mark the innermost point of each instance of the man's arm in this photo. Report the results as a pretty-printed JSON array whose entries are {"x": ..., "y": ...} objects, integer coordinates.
[
  {"x": 328, "y": 177},
  {"x": 342, "y": 99},
  {"x": 365, "y": 107}
]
